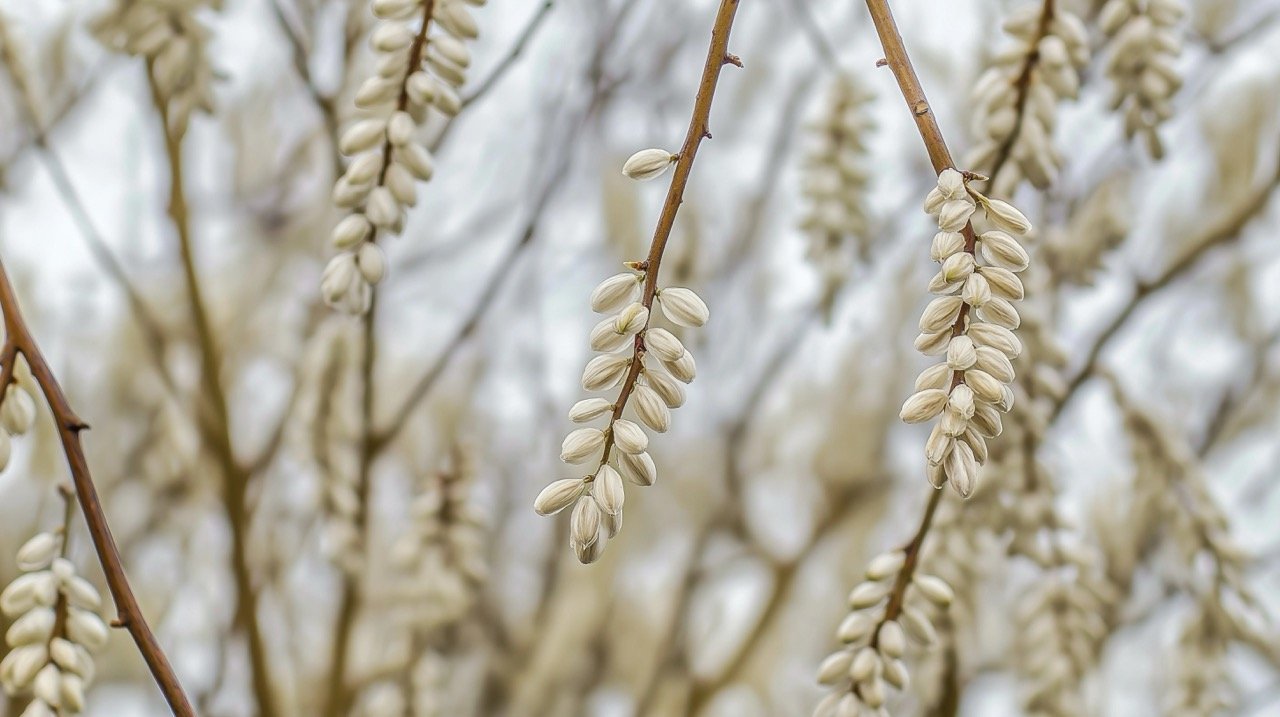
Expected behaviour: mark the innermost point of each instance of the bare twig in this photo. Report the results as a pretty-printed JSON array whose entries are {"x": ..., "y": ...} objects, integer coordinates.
[
  {"x": 19, "y": 342},
  {"x": 699, "y": 129},
  {"x": 508, "y": 60},
  {"x": 235, "y": 478},
  {"x": 1226, "y": 230}
]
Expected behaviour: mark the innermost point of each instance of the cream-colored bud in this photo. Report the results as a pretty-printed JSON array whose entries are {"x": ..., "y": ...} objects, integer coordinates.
[
  {"x": 638, "y": 468},
  {"x": 648, "y": 164},
  {"x": 997, "y": 337},
  {"x": 371, "y": 262},
  {"x": 608, "y": 491},
  {"x": 866, "y": 594},
  {"x": 940, "y": 314},
  {"x": 631, "y": 319},
  {"x": 951, "y": 184},
  {"x": 954, "y": 214},
  {"x": 557, "y": 496},
  {"x": 38, "y": 551},
  {"x": 985, "y": 386},
  {"x": 1005, "y": 216},
  {"x": 683, "y": 306},
  {"x": 671, "y": 392},
  {"x": 417, "y": 159},
  {"x": 584, "y": 525},
  {"x": 361, "y": 136},
  {"x": 961, "y": 401},
  {"x": 650, "y": 408},
  {"x": 886, "y": 564},
  {"x": 604, "y": 336},
  {"x": 581, "y": 444},
  {"x": 995, "y": 363},
  {"x": 945, "y": 244},
  {"x": 957, "y": 267},
  {"x": 400, "y": 128},
  {"x": 391, "y": 36},
  {"x": 1003, "y": 283},
  {"x": 615, "y": 292},
  {"x": 923, "y": 405},
  {"x": 87, "y": 629},
  {"x": 893, "y": 641},
  {"x": 1001, "y": 249},
  {"x": 934, "y": 589},
  {"x": 629, "y": 437},
  {"x": 382, "y": 209},
  {"x": 1000, "y": 312},
  {"x": 977, "y": 290},
  {"x": 588, "y": 409},
  {"x": 961, "y": 353},
  {"x": 936, "y": 376},
  {"x": 350, "y": 232},
  {"x": 604, "y": 372},
  {"x": 663, "y": 344},
  {"x": 683, "y": 369},
  {"x": 866, "y": 663}
]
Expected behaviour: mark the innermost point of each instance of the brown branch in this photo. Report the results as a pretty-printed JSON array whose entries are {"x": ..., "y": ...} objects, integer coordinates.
[
  {"x": 512, "y": 55},
  {"x": 899, "y": 63},
  {"x": 1022, "y": 90},
  {"x": 717, "y": 57},
  {"x": 1226, "y": 230},
  {"x": 235, "y": 478},
  {"x": 19, "y": 341}
]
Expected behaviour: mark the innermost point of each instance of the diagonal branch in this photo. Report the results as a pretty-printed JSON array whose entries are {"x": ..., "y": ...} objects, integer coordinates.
[{"x": 19, "y": 341}]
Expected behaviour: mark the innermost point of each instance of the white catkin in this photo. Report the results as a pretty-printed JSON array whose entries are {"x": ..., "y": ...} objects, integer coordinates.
[
  {"x": 170, "y": 36},
  {"x": 835, "y": 185},
  {"x": 970, "y": 324},
  {"x": 869, "y": 664},
  {"x": 1015, "y": 100},
  {"x": 50, "y": 656},
  {"x": 422, "y": 58},
  {"x": 1145, "y": 43},
  {"x": 619, "y": 450}
]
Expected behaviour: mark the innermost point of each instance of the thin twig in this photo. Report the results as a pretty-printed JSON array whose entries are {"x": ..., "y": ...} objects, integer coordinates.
[
  {"x": 235, "y": 479},
  {"x": 699, "y": 129},
  {"x": 19, "y": 341},
  {"x": 1224, "y": 231},
  {"x": 940, "y": 157},
  {"x": 512, "y": 55}
]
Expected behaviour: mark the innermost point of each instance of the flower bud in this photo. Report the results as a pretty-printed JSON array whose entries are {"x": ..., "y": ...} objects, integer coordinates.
[{"x": 648, "y": 164}]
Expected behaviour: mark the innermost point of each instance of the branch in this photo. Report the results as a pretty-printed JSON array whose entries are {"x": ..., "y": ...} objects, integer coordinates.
[
  {"x": 18, "y": 341},
  {"x": 512, "y": 55},
  {"x": 1226, "y": 230},
  {"x": 235, "y": 478}
]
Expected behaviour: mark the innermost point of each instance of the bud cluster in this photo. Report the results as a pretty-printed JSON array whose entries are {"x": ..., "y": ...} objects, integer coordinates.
[
  {"x": 835, "y": 185},
  {"x": 17, "y": 411},
  {"x": 443, "y": 552},
  {"x": 1143, "y": 64},
  {"x": 1016, "y": 99},
  {"x": 649, "y": 363},
  {"x": 421, "y": 60},
  {"x": 875, "y": 635},
  {"x": 173, "y": 41},
  {"x": 55, "y": 630},
  {"x": 970, "y": 324}
]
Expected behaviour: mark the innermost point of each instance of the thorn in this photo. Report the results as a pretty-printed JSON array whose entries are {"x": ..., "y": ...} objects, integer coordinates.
[
  {"x": 733, "y": 60},
  {"x": 882, "y": 62}
]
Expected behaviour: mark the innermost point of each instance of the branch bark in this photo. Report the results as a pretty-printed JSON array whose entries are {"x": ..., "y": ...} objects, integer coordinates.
[{"x": 19, "y": 342}]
